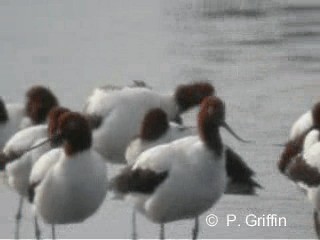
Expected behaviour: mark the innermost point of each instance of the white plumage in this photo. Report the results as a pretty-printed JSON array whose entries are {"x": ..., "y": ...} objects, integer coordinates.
[
  {"x": 71, "y": 188},
  {"x": 311, "y": 139},
  {"x": 196, "y": 180},
  {"x": 24, "y": 139},
  {"x": 303, "y": 123},
  {"x": 312, "y": 158}
]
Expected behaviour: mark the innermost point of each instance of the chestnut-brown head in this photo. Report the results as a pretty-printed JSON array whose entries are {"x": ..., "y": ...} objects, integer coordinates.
[
  {"x": 54, "y": 115},
  {"x": 74, "y": 129},
  {"x": 291, "y": 150},
  {"x": 316, "y": 115},
  {"x": 39, "y": 102},
  {"x": 212, "y": 116},
  {"x": 154, "y": 124},
  {"x": 3, "y": 112},
  {"x": 190, "y": 95}
]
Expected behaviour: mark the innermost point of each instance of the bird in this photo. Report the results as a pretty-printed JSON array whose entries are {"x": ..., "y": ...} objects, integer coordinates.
[
  {"x": 304, "y": 170},
  {"x": 122, "y": 110},
  {"x": 156, "y": 130},
  {"x": 17, "y": 160},
  {"x": 68, "y": 184},
  {"x": 15, "y": 116},
  {"x": 299, "y": 130},
  {"x": 181, "y": 179}
]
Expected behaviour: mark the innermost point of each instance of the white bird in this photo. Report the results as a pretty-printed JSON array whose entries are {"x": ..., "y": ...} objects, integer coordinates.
[
  {"x": 156, "y": 130},
  {"x": 181, "y": 179},
  {"x": 305, "y": 171},
  {"x": 308, "y": 121},
  {"x": 13, "y": 117},
  {"x": 69, "y": 185},
  {"x": 17, "y": 161},
  {"x": 122, "y": 110}
]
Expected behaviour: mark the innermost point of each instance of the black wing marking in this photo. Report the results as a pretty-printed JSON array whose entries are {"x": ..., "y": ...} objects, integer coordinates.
[
  {"x": 140, "y": 84},
  {"x": 135, "y": 84},
  {"x": 300, "y": 171},
  {"x": 240, "y": 175},
  {"x": 110, "y": 87},
  {"x": 137, "y": 180}
]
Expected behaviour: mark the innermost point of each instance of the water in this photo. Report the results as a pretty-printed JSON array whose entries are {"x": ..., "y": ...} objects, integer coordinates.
[{"x": 262, "y": 57}]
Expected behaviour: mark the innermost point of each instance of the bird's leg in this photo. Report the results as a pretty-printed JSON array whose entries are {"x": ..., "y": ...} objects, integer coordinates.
[
  {"x": 134, "y": 225},
  {"x": 316, "y": 222},
  {"x": 195, "y": 230},
  {"x": 162, "y": 231},
  {"x": 18, "y": 219},
  {"x": 36, "y": 228},
  {"x": 53, "y": 231}
]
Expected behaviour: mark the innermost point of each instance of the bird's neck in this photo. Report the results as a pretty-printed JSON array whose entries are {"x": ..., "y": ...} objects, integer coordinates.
[{"x": 211, "y": 137}]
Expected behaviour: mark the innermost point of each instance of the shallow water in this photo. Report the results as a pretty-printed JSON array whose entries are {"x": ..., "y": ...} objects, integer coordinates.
[{"x": 262, "y": 57}]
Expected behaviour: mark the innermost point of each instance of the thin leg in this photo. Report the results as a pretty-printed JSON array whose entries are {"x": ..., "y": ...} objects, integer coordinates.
[
  {"x": 18, "y": 219},
  {"x": 195, "y": 230},
  {"x": 316, "y": 223},
  {"x": 162, "y": 231},
  {"x": 53, "y": 231},
  {"x": 36, "y": 228},
  {"x": 134, "y": 225}
]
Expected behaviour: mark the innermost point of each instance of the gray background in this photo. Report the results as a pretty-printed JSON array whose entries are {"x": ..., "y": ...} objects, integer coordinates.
[{"x": 262, "y": 57}]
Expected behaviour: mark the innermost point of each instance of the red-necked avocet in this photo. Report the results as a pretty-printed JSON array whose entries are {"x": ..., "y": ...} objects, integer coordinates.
[
  {"x": 308, "y": 121},
  {"x": 122, "y": 110},
  {"x": 156, "y": 130},
  {"x": 304, "y": 169},
  {"x": 68, "y": 185},
  {"x": 181, "y": 179},
  {"x": 17, "y": 160}
]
